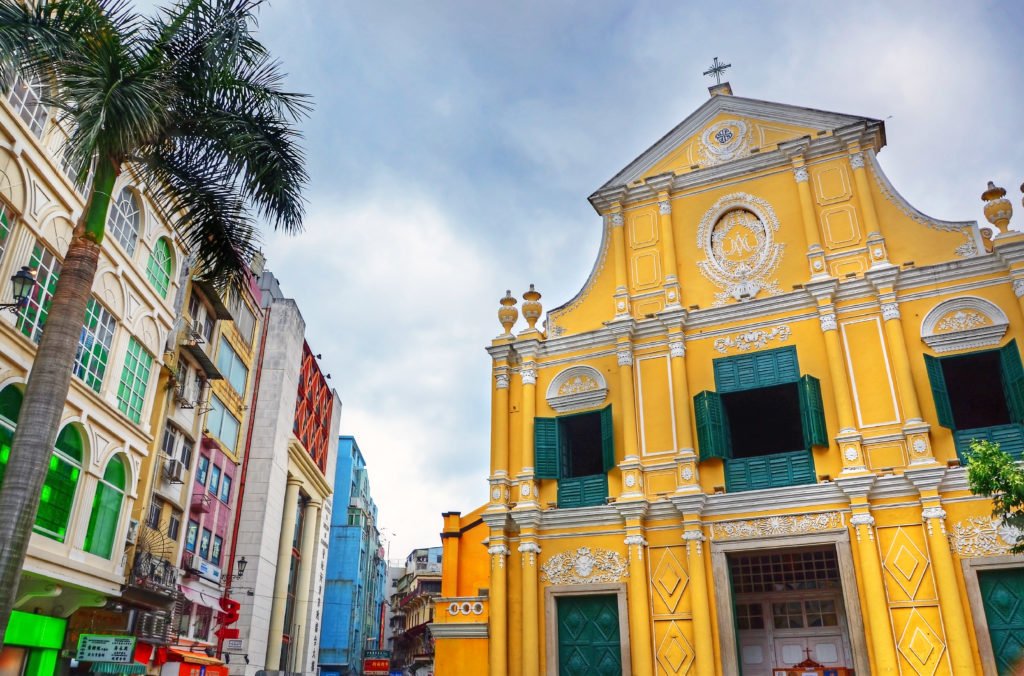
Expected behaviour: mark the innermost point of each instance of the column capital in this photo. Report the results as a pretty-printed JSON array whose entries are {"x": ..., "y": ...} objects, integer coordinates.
[
  {"x": 633, "y": 509},
  {"x": 689, "y": 504},
  {"x": 294, "y": 480},
  {"x": 856, "y": 486},
  {"x": 528, "y": 372},
  {"x": 624, "y": 353}
]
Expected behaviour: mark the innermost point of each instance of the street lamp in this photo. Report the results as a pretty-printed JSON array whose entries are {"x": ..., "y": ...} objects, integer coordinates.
[
  {"x": 22, "y": 283},
  {"x": 242, "y": 563}
]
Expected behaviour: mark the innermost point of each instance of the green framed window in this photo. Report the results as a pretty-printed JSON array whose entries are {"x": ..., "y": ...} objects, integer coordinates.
[
  {"x": 215, "y": 550},
  {"x": 191, "y": 535},
  {"x": 5, "y": 228},
  {"x": 215, "y": 480},
  {"x": 160, "y": 266},
  {"x": 10, "y": 407},
  {"x": 222, "y": 424},
  {"x": 763, "y": 420},
  {"x": 204, "y": 544},
  {"x": 33, "y": 316},
  {"x": 203, "y": 469},
  {"x": 980, "y": 395},
  {"x": 124, "y": 220},
  {"x": 58, "y": 494},
  {"x": 232, "y": 367},
  {"x": 578, "y": 450},
  {"x": 94, "y": 344},
  {"x": 106, "y": 510},
  {"x": 131, "y": 394}
]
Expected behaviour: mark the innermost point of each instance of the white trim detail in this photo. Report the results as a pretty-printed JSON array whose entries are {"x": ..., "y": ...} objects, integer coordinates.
[
  {"x": 975, "y": 322},
  {"x": 862, "y": 520},
  {"x": 529, "y": 375},
  {"x": 933, "y": 513},
  {"x": 575, "y": 388},
  {"x": 584, "y": 566}
]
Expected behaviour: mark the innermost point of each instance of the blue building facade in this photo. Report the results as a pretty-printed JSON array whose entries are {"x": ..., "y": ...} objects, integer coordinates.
[{"x": 356, "y": 569}]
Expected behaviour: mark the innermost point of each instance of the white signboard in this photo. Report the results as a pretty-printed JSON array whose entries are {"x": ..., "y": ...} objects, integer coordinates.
[{"x": 97, "y": 648}]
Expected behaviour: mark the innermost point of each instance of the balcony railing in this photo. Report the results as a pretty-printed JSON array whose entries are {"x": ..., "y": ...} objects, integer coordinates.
[
  {"x": 154, "y": 574},
  {"x": 202, "y": 503}
]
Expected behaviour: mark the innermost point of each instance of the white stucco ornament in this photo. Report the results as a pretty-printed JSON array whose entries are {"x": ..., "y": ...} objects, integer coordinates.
[
  {"x": 920, "y": 446},
  {"x": 687, "y": 474},
  {"x": 584, "y": 566},
  {"x": 524, "y": 489},
  {"x": 577, "y": 387},
  {"x": 737, "y": 235},
  {"x": 850, "y": 453},
  {"x": 630, "y": 480}
]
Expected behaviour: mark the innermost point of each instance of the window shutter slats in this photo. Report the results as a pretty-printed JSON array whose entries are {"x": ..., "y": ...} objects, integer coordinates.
[
  {"x": 939, "y": 392},
  {"x": 712, "y": 428},
  {"x": 545, "y": 448},
  {"x": 812, "y": 413},
  {"x": 607, "y": 439},
  {"x": 762, "y": 369},
  {"x": 1013, "y": 380}
]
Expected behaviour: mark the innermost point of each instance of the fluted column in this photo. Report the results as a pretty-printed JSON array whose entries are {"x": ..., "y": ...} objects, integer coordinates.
[
  {"x": 307, "y": 552},
  {"x": 686, "y": 460},
  {"x": 616, "y": 221},
  {"x": 528, "y": 551},
  {"x": 860, "y": 179},
  {"x": 815, "y": 254},
  {"x": 627, "y": 397},
  {"x": 662, "y": 184},
  {"x": 703, "y": 639},
  {"x": 883, "y": 647},
  {"x": 639, "y": 603},
  {"x": 499, "y": 419},
  {"x": 497, "y": 623},
  {"x": 527, "y": 489},
  {"x": 284, "y": 559}
]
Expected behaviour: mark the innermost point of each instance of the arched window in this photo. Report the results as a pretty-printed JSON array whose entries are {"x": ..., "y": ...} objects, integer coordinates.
[
  {"x": 10, "y": 406},
  {"x": 106, "y": 510},
  {"x": 27, "y": 100},
  {"x": 123, "y": 220},
  {"x": 58, "y": 494},
  {"x": 158, "y": 270}
]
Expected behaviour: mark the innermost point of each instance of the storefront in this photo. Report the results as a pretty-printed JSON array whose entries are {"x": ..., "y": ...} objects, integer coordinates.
[{"x": 32, "y": 644}]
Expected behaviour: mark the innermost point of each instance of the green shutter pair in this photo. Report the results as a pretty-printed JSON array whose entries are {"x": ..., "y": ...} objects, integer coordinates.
[
  {"x": 760, "y": 369},
  {"x": 1009, "y": 437},
  {"x": 1013, "y": 385},
  {"x": 714, "y": 440},
  {"x": 547, "y": 445}
]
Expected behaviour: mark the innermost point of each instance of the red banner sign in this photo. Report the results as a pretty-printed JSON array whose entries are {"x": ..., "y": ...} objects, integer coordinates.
[{"x": 376, "y": 667}]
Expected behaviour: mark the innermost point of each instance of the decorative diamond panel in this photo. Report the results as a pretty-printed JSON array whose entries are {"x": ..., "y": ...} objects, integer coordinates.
[
  {"x": 906, "y": 564},
  {"x": 668, "y": 582},
  {"x": 675, "y": 652},
  {"x": 1003, "y": 601},
  {"x": 920, "y": 646}
]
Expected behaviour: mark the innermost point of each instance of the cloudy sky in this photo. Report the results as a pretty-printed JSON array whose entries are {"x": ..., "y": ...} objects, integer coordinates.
[{"x": 454, "y": 145}]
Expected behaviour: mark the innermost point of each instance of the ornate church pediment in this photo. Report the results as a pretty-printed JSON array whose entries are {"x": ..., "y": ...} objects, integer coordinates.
[
  {"x": 964, "y": 323},
  {"x": 728, "y": 128}
]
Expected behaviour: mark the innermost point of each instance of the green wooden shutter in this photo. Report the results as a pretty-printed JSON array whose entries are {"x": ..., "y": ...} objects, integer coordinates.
[
  {"x": 939, "y": 392},
  {"x": 545, "y": 448},
  {"x": 607, "y": 439},
  {"x": 761, "y": 369},
  {"x": 1013, "y": 380},
  {"x": 712, "y": 426},
  {"x": 812, "y": 413},
  {"x": 595, "y": 489}
]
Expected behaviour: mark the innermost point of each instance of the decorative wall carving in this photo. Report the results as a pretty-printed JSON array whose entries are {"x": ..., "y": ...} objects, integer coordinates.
[
  {"x": 576, "y": 388},
  {"x": 753, "y": 340},
  {"x": 982, "y": 536},
  {"x": 724, "y": 141},
  {"x": 677, "y": 348},
  {"x": 828, "y": 322},
  {"x": 773, "y": 526},
  {"x": 584, "y": 566},
  {"x": 529, "y": 375},
  {"x": 963, "y": 323},
  {"x": 737, "y": 235}
]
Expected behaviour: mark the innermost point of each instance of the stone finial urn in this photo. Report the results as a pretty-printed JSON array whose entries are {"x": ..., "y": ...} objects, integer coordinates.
[
  {"x": 507, "y": 313},
  {"x": 998, "y": 209},
  {"x": 532, "y": 307}
]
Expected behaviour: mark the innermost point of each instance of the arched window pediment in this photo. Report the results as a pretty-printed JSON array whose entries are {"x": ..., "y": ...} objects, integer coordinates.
[
  {"x": 965, "y": 323},
  {"x": 577, "y": 388}
]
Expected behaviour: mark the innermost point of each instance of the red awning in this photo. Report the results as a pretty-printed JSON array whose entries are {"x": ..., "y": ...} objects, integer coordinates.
[{"x": 179, "y": 655}]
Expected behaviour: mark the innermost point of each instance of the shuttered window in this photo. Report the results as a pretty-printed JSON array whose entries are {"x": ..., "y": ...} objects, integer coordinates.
[
  {"x": 559, "y": 449},
  {"x": 764, "y": 392},
  {"x": 968, "y": 403}
]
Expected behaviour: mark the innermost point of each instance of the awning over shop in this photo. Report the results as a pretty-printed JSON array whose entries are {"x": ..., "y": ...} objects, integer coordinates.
[
  {"x": 114, "y": 668},
  {"x": 179, "y": 655}
]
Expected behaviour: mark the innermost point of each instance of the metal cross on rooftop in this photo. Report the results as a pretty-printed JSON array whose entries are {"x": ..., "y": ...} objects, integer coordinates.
[{"x": 716, "y": 70}]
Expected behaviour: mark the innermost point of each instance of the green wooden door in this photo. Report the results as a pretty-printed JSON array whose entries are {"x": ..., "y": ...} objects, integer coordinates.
[
  {"x": 588, "y": 636},
  {"x": 1003, "y": 594}
]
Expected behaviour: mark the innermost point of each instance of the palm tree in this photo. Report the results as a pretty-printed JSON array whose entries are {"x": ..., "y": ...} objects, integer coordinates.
[{"x": 190, "y": 103}]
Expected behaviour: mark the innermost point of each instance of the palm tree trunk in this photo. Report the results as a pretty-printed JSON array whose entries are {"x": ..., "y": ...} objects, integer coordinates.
[{"x": 45, "y": 395}]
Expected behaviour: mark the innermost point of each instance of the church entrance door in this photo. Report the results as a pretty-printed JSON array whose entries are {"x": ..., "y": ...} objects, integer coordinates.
[{"x": 788, "y": 606}]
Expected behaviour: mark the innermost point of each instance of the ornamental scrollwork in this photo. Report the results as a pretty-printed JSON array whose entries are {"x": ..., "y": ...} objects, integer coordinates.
[
  {"x": 737, "y": 235},
  {"x": 753, "y": 340},
  {"x": 982, "y": 536},
  {"x": 584, "y": 566},
  {"x": 773, "y": 526}
]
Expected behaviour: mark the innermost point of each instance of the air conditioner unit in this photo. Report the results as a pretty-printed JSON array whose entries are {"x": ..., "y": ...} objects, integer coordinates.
[
  {"x": 133, "y": 532},
  {"x": 174, "y": 470}
]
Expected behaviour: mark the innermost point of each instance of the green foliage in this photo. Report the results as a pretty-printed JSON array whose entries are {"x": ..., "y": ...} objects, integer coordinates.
[
  {"x": 188, "y": 99},
  {"x": 993, "y": 473}
]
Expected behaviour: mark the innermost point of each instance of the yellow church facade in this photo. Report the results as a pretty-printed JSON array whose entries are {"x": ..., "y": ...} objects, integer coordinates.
[{"x": 738, "y": 449}]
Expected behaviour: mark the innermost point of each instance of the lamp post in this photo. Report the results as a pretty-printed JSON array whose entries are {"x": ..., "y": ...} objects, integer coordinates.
[
  {"x": 241, "y": 563},
  {"x": 22, "y": 283}
]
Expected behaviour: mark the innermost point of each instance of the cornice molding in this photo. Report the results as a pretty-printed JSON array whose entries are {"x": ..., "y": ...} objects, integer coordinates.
[{"x": 458, "y": 629}]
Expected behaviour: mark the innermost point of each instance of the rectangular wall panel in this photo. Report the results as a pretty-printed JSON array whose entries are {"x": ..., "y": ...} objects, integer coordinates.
[
  {"x": 874, "y": 392},
  {"x": 654, "y": 387}
]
